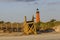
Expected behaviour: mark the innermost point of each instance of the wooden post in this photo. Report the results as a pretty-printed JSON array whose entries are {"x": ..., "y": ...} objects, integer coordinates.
[
  {"x": 33, "y": 18},
  {"x": 11, "y": 27},
  {"x": 25, "y": 19},
  {"x": 1, "y": 26},
  {"x": 17, "y": 27}
]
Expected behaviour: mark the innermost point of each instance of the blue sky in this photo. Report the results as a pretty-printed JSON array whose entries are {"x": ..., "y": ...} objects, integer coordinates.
[{"x": 15, "y": 10}]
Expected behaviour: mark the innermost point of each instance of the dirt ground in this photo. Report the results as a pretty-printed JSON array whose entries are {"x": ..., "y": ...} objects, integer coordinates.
[{"x": 43, "y": 36}]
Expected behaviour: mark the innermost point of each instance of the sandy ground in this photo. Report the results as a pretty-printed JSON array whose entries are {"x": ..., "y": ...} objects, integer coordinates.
[{"x": 44, "y": 36}]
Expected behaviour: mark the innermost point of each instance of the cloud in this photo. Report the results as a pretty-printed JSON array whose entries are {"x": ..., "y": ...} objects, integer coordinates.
[
  {"x": 26, "y": 0},
  {"x": 53, "y": 3},
  {"x": 20, "y": 0}
]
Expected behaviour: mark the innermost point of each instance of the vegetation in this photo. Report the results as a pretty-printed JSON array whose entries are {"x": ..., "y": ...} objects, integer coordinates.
[
  {"x": 41, "y": 25},
  {"x": 48, "y": 25}
]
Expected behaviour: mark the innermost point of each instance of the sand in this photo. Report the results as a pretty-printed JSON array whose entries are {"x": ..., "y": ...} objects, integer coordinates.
[{"x": 43, "y": 36}]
